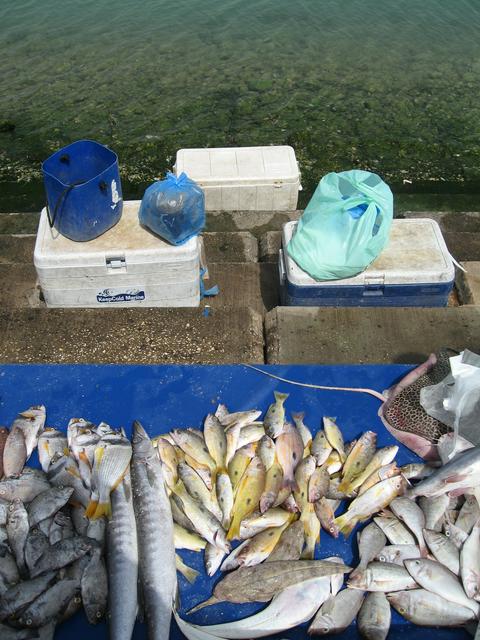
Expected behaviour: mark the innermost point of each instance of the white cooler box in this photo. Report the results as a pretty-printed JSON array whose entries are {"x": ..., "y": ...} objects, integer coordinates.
[
  {"x": 243, "y": 178},
  {"x": 414, "y": 270},
  {"x": 127, "y": 266}
]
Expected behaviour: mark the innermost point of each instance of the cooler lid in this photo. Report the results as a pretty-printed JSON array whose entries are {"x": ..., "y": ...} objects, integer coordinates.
[
  {"x": 127, "y": 239},
  {"x": 416, "y": 254},
  {"x": 239, "y": 165}
]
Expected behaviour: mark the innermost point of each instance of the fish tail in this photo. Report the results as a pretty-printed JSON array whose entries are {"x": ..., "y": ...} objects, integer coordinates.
[
  {"x": 289, "y": 482},
  {"x": 344, "y": 487},
  {"x": 298, "y": 416},
  {"x": 205, "y": 603},
  {"x": 280, "y": 397},
  {"x": 234, "y": 530},
  {"x": 190, "y": 574},
  {"x": 91, "y": 508},
  {"x": 103, "y": 509},
  {"x": 345, "y": 524}
]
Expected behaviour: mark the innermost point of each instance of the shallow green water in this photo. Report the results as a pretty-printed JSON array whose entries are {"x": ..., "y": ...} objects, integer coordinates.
[{"x": 386, "y": 85}]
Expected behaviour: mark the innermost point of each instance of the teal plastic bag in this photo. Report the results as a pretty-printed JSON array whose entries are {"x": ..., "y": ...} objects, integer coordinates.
[{"x": 345, "y": 226}]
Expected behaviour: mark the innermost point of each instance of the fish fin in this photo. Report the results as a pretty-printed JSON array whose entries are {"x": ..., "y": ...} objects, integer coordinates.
[
  {"x": 458, "y": 477},
  {"x": 91, "y": 508},
  {"x": 344, "y": 487},
  {"x": 234, "y": 531},
  {"x": 84, "y": 458},
  {"x": 345, "y": 524},
  {"x": 205, "y": 603},
  {"x": 103, "y": 509},
  {"x": 298, "y": 416},
  {"x": 290, "y": 483},
  {"x": 280, "y": 397}
]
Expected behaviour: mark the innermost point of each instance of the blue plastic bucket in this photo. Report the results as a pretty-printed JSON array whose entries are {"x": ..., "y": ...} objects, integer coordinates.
[{"x": 84, "y": 193}]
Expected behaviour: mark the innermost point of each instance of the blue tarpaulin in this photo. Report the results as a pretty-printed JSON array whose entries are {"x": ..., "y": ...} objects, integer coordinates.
[{"x": 168, "y": 396}]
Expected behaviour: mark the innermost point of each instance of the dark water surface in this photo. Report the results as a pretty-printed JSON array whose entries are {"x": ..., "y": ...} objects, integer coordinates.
[{"x": 387, "y": 85}]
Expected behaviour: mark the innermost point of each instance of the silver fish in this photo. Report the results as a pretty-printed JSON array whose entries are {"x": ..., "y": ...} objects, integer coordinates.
[
  {"x": 155, "y": 535},
  {"x": 374, "y": 617},
  {"x": 371, "y": 540},
  {"x": 122, "y": 563},
  {"x": 80, "y": 520},
  {"x": 94, "y": 588},
  {"x": 337, "y": 613},
  {"x": 50, "y": 604},
  {"x": 275, "y": 416},
  {"x": 97, "y": 530},
  {"x": 64, "y": 472},
  {"x": 469, "y": 514},
  {"x": 455, "y": 534},
  {"x": 266, "y": 451},
  {"x": 470, "y": 563},
  {"x": 14, "y": 453},
  {"x": 35, "y": 546},
  {"x": 395, "y": 531},
  {"x": 382, "y": 576},
  {"x": 26, "y": 487},
  {"x": 48, "y": 503},
  {"x": 51, "y": 442},
  {"x": 434, "y": 510},
  {"x": 8, "y": 570},
  {"x": 416, "y": 471},
  {"x": 8, "y": 633},
  {"x": 30, "y": 423},
  {"x": 22, "y": 594},
  {"x": 17, "y": 530},
  {"x": 61, "y": 554},
  {"x": 425, "y": 608},
  {"x": 397, "y": 553},
  {"x": 213, "y": 559},
  {"x": 411, "y": 514},
  {"x": 443, "y": 550},
  {"x": 461, "y": 472},
  {"x": 61, "y": 528}
]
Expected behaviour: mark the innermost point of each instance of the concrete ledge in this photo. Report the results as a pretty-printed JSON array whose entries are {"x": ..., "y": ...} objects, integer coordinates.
[
  {"x": 243, "y": 285},
  {"x": 463, "y": 245},
  {"x": 468, "y": 221},
  {"x": 269, "y": 246},
  {"x": 468, "y": 284},
  {"x": 308, "y": 335},
  {"x": 142, "y": 336}
]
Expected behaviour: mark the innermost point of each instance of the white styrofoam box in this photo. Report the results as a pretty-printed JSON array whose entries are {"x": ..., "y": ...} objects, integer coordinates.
[
  {"x": 415, "y": 267},
  {"x": 128, "y": 266},
  {"x": 243, "y": 178}
]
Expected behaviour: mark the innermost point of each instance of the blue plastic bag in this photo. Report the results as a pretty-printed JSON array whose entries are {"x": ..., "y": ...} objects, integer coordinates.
[
  {"x": 173, "y": 208},
  {"x": 345, "y": 226}
]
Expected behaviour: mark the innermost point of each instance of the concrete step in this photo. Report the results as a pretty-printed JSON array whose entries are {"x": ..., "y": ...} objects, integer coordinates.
[
  {"x": 307, "y": 335},
  {"x": 240, "y": 246},
  {"x": 468, "y": 283},
  {"x": 143, "y": 336},
  {"x": 468, "y": 221}
]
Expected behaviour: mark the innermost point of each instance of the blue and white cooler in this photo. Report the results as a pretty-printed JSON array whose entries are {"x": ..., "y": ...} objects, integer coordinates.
[{"x": 414, "y": 270}]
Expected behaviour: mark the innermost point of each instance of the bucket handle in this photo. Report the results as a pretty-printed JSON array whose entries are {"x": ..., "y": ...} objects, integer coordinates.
[{"x": 102, "y": 185}]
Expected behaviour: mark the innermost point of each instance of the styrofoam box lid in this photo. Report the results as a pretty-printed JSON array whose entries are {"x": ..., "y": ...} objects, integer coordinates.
[
  {"x": 126, "y": 239},
  {"x": 416, "y": 253},
  {"x": 239, "y": 165}
]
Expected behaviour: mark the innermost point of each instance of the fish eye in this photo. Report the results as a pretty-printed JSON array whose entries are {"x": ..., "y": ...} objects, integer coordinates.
[
  {"x": 447, "y": 532},
  {"x": 325, "y": 629},
  {"x": 382, "y": 558},
  {"x": 417, "y": 562},
  {"x": 402, "y": 610}
]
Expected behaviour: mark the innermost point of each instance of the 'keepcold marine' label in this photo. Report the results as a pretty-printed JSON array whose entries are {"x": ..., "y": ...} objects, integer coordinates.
[{"x": 120, "y": 295}]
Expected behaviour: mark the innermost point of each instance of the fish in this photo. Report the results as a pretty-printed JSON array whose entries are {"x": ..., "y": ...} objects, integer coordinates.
[
  {"x": 239, "y": 463},
  {"x": 48, "y": 503},
  {"x": 122, "y": 562},
  {"x": 374, "y": 617},
  {"x": 79, "y": 520},
  {"x": 460, "y": 473},
  {"x": 333, "y": 463},
  {"x": 156, "y": 550},
  {"x": 382, "y": 576},
  {"x": 14, "y": 453},
  {"x": 232, "y": 562},
  {"x": 303, "y": 473},
  {"x": 197, "y": 489},
  {"x": 232, "y": 436},
  {"x": 250, "y": 433},
  {"x": 290, "y": 545},
  {"x": 403, "y": 415},
  {"x": 22, "y": 594},
  {"x": 311, "y": 527},
  {"x": 455, "y": 534},
  {"x": 213, "y": 558},
  {"x": 275, "y": 416},
  {"x": 242, "y": 418},
  {"x": 3, "y": 439},
  {"x": 31, "y": 423},
  {"x": 304, "y": 431},
  {"x": 97, "y": 530},
  {"x": 319, "y": 484},
  {"x": 257, "y": 521},
  {"x": 334, "y": 437},
  {"x": 17, "y": 531},
  {"x": 325, "y": 512},
  {"x": 376, "y": 498},
  {"x": 187, "y": 572},
  {"x": 333, "y": 493},
  {"x": 291, "y": 607},
  {"x": 250, "y": 489},
  {"x": 289, "y": 448},
  {"x": 61, "y": 528},
  {"x": 179, "y": 517},
  {"x": 9, "y": 574},
  {"x": 424, "y": 608},
  {"x": 289, "y": 504},
  {"x": 411, "y": 514},
  {"x": 216, "y": 440},
  {"x": 443, "y": 550},
  {"x": 202, "y": 519},
  {"x": 469, "y": 514},
  {"x": 261, "y": 546},
  {"x": 273, "y": 483},
  {"x": 436, "y": 578},
  {"x": 112, "y": 459},
  {"x": 187, "y": 539},
  {"x": 416, "y": 470},
  {"x": 397, "y": 553},
  {"x": 8, "y": 633},
  {"x": 224, "y": 496},
  {"x": 94, "y": 588},
  {"x": 434, "y": 510},
  {"x": 358, "y": 459},
  {"x": 61, "y": 554},
  {"x": 194, "y": 446},
  {"x": 470, "y": 563},
  {"x": 35, "y": 546},
  {"x": 381, "y": 458},
  {"x": 387, "y": 471},
  {"x": 50, "y": 442},
  {"x": 321, "y": 448},
  {"x": 263, "y": 581},
  {"x": 395, "y": 531},
  {"x": 203, "y": 470},
  {"x": 337, "y": 613},
  {"x": 169, "y": 459},
  {"x": 64, "y": 472},
  {"x": 49, "y": 604},
  {"x": 371, "y": 540},
  {"x": 266, "y": 451}
]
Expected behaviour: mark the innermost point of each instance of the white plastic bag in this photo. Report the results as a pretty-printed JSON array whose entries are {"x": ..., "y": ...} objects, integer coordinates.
[{"x": 456, "y": 400}]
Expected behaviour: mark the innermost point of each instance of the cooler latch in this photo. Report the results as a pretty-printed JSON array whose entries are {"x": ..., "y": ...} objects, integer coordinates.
[
  {"x": 374, "y": 285},
  {"x": 116, "y": 263}
]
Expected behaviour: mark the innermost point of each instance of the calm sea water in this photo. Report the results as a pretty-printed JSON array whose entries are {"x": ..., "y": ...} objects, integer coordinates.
[{"x": 387, "y": 85}]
